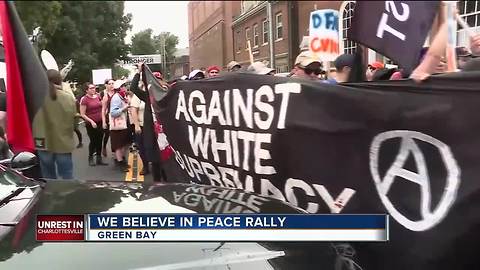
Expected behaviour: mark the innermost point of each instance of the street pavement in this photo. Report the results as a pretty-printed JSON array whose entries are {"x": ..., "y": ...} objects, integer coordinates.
[{"x": 83, "y": 171}]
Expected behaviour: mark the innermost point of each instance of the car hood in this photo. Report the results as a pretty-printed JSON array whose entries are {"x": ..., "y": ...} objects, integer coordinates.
[{"x": 20, "y": 250}]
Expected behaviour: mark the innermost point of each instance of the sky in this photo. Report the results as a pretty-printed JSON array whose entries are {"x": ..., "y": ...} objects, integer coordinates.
[{"x": 160, "y": 16}]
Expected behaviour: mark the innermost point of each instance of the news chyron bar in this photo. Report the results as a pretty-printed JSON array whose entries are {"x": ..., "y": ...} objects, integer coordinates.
[{"x": 204, "y": 228}]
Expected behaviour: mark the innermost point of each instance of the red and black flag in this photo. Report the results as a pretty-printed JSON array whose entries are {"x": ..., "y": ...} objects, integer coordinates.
[
  {"x": 27, "y": 82},
  {"x": 157, "y": 89}
]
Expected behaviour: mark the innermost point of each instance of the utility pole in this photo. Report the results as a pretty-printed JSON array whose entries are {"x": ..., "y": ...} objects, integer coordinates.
[{"x": 270, "y": 34}]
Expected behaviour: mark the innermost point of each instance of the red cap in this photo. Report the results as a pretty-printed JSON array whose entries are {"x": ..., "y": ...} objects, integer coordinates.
[
  {"x": 377, "y": 65},
  {"x": 210, "y": 68},
  {"x": 157, "y": 74}
]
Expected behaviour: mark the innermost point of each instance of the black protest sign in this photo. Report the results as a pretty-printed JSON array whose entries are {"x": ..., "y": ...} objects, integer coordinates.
[
  {"x": 393, "y": 147},
  {"x": 396, "y": 29}
]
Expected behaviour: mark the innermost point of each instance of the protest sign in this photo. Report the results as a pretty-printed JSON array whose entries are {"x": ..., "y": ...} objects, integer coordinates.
[
  {"x": 395, "y": 29},
  {"x": 100, "y": 75},
  {"x": 324, "y": 34},
  {"x": 392, "y": 147}
]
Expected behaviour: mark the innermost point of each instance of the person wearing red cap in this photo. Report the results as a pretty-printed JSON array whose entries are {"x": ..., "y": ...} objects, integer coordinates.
[
  {"x": 372, "y": 68},
  {"x": 213, "y": 71},
  {"x": 158, "y": 75}
]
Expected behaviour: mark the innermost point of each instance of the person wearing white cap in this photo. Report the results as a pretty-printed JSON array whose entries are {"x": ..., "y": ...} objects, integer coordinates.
[
  {"x": 196, "y": 74},
  {"x": 260, "y": 69},
  {"x": 119, "y": 133},
  {"x": 233, "y": 66},
  {"x": 307, "y": 66}
]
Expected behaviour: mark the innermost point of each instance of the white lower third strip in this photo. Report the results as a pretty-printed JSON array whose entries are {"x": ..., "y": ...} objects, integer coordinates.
[{"x": 367, "y": 235}]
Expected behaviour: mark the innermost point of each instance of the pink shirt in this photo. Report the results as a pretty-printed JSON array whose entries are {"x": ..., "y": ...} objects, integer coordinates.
[{"x": 94, "y": 107}]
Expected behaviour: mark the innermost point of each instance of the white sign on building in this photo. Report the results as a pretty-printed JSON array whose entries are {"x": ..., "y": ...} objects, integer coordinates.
[{"x": 148, "y": 59}]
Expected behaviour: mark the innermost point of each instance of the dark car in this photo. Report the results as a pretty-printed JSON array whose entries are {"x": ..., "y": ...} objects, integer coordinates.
[{"x": 22, "y": 199}]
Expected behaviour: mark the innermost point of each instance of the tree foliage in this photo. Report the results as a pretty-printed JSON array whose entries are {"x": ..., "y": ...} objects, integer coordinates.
[
  {"x": 144, "y": 42},
  {"x": 171, "y": 42},
  {"x": 90, "y": 33},
  {"x": 39, "y": 13}
]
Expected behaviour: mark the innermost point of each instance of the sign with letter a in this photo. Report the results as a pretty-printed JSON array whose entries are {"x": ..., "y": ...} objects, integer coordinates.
[{"x": 324, "y": 34}]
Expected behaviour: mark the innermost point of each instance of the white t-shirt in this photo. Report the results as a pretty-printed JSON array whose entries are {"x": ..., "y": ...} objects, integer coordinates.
[{"x": 135, "y": 102}]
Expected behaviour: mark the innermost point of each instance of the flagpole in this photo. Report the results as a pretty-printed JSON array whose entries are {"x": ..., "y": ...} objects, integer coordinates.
[{"x": 250, "y": 52}]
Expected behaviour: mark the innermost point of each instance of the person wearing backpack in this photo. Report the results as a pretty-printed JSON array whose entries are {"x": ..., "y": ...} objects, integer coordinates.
[
  {"x": 120, "y": 138},
  {"x": 91, "y": 112}
]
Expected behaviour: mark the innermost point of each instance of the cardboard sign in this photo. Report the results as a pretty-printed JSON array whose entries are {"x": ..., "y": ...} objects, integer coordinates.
[
  {"x": 100, "y": 75},
  {"x": 324, "y": 34},
  {"x": 148, "y": 59}
]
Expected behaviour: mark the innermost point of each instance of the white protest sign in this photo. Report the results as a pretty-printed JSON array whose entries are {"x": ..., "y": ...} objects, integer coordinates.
[
  {"x": 100, "y": 75},
  {"x": 148, "y": 59},
  {"x": 324, "y": 34}
]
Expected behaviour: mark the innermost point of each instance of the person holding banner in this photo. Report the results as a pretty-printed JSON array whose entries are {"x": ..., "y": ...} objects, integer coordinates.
[
  {"x": 475, "y": 44},
  {"x": 343, "y": 64},
  {"x": 149, "y": 138},
  {"x": 196, "y": 74},
  {"x": 213, "y": 71},
  {"x": 233, "y": 66},
  {"x": 307, "y": 66},
  {"x": 261, "y": 69}
]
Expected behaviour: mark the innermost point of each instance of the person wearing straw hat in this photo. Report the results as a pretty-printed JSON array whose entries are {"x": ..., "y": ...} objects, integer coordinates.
[
  {"x": 307, "y": 66},
  {"x": 260, "y": 69}
]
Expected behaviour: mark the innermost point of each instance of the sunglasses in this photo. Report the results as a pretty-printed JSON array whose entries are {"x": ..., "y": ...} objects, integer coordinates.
[{"x": 316, "y": 71}]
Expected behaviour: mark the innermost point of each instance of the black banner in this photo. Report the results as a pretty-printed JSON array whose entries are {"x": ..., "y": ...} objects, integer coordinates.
[
  {"x": 396, "y": 147},
  {"x": 396, "y": 29}
]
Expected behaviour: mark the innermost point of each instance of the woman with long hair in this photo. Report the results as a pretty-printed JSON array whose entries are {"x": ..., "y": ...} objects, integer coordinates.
[
  {"x": 107, "y": 97},
  {"x": 53, "y": 130},
  {"x": 120, "y": 138},
  {"x": 91, "y": 112}
]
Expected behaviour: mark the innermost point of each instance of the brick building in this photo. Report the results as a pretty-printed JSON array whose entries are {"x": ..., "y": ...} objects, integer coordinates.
[
  {"x": 247, "y": 20},
  {"x": 252, "y": 24},
  {"x": 210, "y": 32},
  {"x": 181, "y": 63}
]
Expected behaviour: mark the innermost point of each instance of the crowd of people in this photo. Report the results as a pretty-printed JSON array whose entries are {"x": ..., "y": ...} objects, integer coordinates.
[{"x": 121, "y": 112}]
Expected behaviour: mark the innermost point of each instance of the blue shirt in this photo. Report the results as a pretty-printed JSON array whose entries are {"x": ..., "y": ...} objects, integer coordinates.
[
  {"x": 116, "y": 105},
  {"x": 331, "y": 81}
]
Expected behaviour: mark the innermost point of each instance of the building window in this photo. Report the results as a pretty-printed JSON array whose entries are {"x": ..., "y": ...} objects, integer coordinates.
[
  {"x": 256, "y": 37},
  {"x": 469, "y": 11},
  {"x": 265, "y": 31},
  {"x": 345, "y": 21},
  {"x": 247, "y": 37},
  {"x": 279, "y": 25}
]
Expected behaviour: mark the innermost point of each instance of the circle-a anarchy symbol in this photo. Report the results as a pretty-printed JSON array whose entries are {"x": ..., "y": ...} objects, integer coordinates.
[{"x": 409, "y": 146}]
